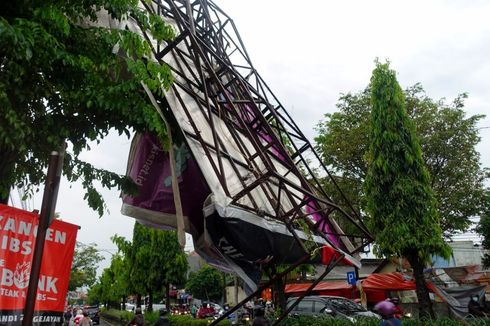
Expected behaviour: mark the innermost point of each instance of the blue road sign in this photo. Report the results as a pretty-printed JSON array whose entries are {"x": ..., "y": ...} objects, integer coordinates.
[{"x": 351, "y": 278}]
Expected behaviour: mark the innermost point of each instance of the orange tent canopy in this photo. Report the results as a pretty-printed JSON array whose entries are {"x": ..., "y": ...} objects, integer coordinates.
[
  {"x": 323, "y": 288},
  {"x": 395, "y": 281}
]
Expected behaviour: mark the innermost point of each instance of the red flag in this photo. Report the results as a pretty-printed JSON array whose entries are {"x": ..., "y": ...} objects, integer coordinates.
[{"x": 18, "y": 229}]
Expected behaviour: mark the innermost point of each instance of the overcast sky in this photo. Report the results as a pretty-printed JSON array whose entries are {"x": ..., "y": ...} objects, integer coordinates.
[{"x": 309, "y": 52}]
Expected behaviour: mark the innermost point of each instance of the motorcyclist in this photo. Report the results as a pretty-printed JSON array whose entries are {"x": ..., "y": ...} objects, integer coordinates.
[
  {"x": 475, "y": 308},
  {"x": 398, "y": 313}
]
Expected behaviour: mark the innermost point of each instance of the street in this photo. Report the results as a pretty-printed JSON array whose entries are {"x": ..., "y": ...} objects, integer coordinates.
[{"x": 104, "y": 323}]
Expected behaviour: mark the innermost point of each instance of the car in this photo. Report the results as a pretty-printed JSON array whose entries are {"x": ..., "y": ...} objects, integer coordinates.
[
  {"x": 239, "y": 317},
  {"x": 129, "y": 306},
  {"x": 94, "y": 314},
  {"x": 330, "y": 307},
  {"x": 219, "y": 310}
]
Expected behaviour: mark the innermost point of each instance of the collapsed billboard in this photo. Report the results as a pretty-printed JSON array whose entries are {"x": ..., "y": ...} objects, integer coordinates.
[
  {"x": 18, "y": 229},
  {"x": 253, "y": 188},
  {"x": 226, "y": 236}
]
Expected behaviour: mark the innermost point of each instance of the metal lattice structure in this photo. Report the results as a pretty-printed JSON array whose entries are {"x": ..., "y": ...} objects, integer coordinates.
[
  {"x": 240, "y": 133},
  {"x": 229, "y": 87}
]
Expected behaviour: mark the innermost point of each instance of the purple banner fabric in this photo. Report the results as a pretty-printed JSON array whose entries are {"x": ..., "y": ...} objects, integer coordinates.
[
  {"x": 323, "y": 224},
  {"x": 150, "y": 170}
]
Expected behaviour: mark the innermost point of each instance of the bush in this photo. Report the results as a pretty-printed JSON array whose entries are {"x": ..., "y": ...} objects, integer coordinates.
[
  {"x": 315, "y": 321},
  {"x": 151, "y": 317},
  {"x": 189, "y": 321},
  {"x": 117, "y": 316},
  {"x": 312, "y": 321}
]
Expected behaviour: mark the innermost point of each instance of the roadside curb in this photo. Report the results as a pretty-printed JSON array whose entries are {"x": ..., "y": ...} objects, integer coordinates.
[{"x": 109, "y": 322}]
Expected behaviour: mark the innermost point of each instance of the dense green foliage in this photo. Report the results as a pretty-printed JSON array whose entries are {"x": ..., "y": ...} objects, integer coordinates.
[
  {"x": 400, "y": 202},
  {"x": 113, "y": 285},
  {"x": 483, "y": 228},
  {"x": 296, "y": 321},
  {"x": 86, "y": 260},
  {"x": 61, "y": 80},
  {"x": 311, "y": 321},
  {"x": 151, "y": 318},
  {"x": 401, "y": 207},
  {"x": 147, "y": 265},
  {"x": 448, "y": 139},
  {"x": 189, "y": 321},
  {"x": 206, "y": 283}
]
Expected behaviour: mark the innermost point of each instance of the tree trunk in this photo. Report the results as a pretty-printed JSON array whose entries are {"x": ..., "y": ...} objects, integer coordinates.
[
  {"x": 150, "y": 301},
  {"x": 425, "y": 305},
  {"x": 4, "y": 199},
  {"x": 167, "y": 297},
  {"x": 278, "y": 294},
  {"x": 224, "y": 289},
  {"x": 138, "y": 301},
  {"x": 123, "y": 303}
]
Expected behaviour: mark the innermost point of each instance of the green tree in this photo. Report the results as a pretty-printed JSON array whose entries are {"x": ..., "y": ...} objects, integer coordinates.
[
  {"x": 448, "y": 139},
  {"x": 94, "y": 294},
  {"x": 61, "y": 80},
  {"x": 483, "y": 228},
  {"x": 86, "y": 260},
  {"x": 112, "y": 287},
  {"x": 106, "y": 292},
  {"x": 155, "y": 261},
  {"x": 119, "y": 271},
  {"x": 400, "y": 202},
  {"x": 206, "y": 283}
]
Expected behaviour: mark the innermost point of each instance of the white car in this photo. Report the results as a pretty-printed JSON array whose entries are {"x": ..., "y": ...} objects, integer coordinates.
[
  {"x": 219, "y": 310},
  {"x": 130, "y": 307}
]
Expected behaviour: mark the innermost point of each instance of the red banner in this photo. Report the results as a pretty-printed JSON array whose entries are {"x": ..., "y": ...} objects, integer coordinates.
[{"x": 18, "y": 229}]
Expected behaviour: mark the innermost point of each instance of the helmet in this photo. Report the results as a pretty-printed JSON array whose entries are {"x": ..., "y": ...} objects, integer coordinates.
[{"x": 385, "y": 308}]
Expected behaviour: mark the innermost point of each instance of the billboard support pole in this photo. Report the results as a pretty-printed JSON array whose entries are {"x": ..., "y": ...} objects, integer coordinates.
[{"x": 46, "y": 216}]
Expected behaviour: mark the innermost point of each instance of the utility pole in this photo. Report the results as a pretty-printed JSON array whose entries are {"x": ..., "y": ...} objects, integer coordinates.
[{"x": 45, "y": 218}]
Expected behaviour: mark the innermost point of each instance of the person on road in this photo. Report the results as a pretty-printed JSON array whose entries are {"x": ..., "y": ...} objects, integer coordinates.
[
  {"x": 475, "y": 308},
  {"x": 398, "y": 313},
  {"x": 194, "y": 311},
  {"x": 85, "y": 321},
  {"x": 386, "y": 309},
  {"x": 138, "y": 319},
  {"x": 163, "y": 320},
  {"x": 77, "y": 317},
  {"x": 259, "y": 319},
  {"x": 66, "y": 317}
]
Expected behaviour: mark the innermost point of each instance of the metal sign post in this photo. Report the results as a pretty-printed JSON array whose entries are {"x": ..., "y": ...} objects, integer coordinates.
[{"x": 45, "y": 218}]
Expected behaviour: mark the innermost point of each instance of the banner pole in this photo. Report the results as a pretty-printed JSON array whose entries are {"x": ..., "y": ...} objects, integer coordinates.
[{"x": 48, "y": 206}]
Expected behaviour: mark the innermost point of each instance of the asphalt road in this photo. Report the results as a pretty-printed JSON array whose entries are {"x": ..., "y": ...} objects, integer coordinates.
[{"x": 104, "y": 323}]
